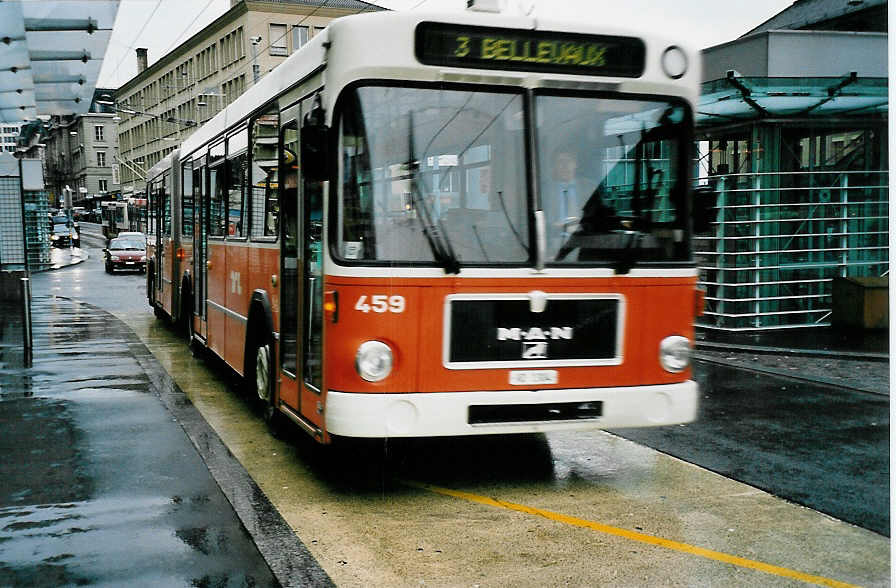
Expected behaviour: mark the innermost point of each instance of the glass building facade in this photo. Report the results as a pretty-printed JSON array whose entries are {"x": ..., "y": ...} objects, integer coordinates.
[{"x": 800, "y": 167}]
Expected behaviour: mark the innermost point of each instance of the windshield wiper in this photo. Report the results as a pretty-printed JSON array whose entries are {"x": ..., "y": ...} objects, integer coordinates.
[{"x": 432, "y": 229}]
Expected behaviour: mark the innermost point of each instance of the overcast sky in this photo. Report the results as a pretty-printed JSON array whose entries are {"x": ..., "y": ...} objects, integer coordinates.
[{"x": 161, "y": 25}]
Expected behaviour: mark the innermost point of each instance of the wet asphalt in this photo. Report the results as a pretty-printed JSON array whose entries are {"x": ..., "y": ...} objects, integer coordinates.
[
  {"x": 824, "y": 447},
  {"x": 102, "y": 484}
]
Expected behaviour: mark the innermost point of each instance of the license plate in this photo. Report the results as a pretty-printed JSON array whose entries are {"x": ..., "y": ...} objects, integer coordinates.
[
  {"x": 533, "y": 377},
  {"x": 129, "y": 262}
]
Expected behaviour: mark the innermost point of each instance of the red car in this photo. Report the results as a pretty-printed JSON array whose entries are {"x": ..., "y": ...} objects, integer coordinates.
[{"x": 125, "y": 253}]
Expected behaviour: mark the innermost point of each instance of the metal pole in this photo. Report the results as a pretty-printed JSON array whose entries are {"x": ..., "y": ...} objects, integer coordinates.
[{"x": 26, "y": 319}]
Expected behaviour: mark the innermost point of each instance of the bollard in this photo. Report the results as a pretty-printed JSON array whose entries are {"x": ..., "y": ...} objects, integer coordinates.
[{"x": 26, "y": 319}]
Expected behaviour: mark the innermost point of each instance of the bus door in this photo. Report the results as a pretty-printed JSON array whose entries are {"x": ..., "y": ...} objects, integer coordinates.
[
  {"x": 313, "y": 141},
  {"x": 164, "y": 246},
  {"x": 200, "y": 246},
  {"x": 289, "y": 265}
]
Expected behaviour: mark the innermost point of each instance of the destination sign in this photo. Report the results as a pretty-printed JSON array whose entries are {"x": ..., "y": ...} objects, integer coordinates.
[{"x": 520, "y": 50}]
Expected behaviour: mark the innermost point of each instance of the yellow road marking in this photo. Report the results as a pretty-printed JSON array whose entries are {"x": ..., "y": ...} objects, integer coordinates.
[{"x": 635, "y": 536}]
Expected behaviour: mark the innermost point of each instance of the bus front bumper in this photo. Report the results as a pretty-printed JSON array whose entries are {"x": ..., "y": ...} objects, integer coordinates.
[{"x": 440, "y": 414}]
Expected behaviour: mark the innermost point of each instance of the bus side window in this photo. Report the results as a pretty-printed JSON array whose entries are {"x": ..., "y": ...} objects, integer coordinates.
[
  {"x": 216, "y": 187},
  {"x": 264, "y": 189},
  {"x": 187, "y": 199},
  {"x": 236, "y": 196}
]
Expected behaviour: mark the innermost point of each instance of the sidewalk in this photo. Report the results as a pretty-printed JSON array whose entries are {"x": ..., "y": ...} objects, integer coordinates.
[
  {"x": 856, "y": 360},
  {"x": 110, "y": 476}
]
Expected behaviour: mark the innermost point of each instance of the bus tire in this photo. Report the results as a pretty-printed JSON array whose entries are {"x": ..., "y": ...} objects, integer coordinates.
[{"x": 260, "y": 383}]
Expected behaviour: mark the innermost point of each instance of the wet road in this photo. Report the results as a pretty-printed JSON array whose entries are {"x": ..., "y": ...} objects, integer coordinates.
[
  {"x": 819, "y": 446},
  {"x": 380, "y": 518},
  {"x": 100, "y": 485}
]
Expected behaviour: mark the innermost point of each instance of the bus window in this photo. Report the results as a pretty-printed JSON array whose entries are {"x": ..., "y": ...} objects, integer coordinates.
[
  {"x": 165, "y": 191},
  {"x": 216, "y": 194},
  {"x": 187, "y": 199},
  {"x": 613, "y": 178},
  {"x": 236, "y": 184},
  {"x": 264, "y": 189},
  {"x": 442, "y": 183}
]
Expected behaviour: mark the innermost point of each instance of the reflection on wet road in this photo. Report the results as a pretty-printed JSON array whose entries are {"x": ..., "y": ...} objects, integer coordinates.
[
  {"x": 823, "y": 447},
  {"x": 100, "y": 485}
]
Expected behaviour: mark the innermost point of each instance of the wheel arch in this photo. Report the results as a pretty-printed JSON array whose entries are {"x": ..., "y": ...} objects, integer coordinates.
[
  {"x": 259, "y": 324},
  {"x": 185, "y": 296},
  {"x": 150, "y": 282}
]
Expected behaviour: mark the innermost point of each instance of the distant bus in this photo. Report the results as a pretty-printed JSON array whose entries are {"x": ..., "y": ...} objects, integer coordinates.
[
  {"x": 375, "y": 241},
  {"x": 119, "y": 216}
]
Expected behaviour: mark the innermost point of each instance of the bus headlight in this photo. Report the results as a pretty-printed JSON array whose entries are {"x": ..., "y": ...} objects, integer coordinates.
[
  {"x": 675, "y": 353},
  {"x": 373, "y": 361}
]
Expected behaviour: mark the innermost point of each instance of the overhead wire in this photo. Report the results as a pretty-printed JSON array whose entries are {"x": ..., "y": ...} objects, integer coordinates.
[
  {"x": 267, "y": 45},
  {"x": 192, "y": 22},
  {"x": 137, "y": 36}
]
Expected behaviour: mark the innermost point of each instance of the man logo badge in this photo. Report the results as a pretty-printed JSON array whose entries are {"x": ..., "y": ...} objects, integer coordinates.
[{"x": 535, "y": 350}]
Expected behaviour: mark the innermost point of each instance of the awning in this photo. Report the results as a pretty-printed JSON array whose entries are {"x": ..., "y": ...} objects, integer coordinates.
[
  {"x": 51, "y": 53},
  {"x": 738, "y": 99}
]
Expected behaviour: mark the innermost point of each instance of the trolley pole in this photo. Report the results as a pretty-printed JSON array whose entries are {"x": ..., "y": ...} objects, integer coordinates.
[{"x": 26, "y": 321}]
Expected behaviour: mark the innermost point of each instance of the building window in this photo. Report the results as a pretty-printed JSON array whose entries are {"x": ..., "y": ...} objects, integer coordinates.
[
  {"x": 278, "y": 39},
  {"x": 104, "y": 185},
  {"x": 101, "y": 159},
  {"x": 299, "y": 37},
  {"x": 98, "y": 133}
]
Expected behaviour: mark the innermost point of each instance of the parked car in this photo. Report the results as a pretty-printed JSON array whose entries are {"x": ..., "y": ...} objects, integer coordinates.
[
  {"x": 64, "y": 232},
  {"x": 125, "y": 253}
]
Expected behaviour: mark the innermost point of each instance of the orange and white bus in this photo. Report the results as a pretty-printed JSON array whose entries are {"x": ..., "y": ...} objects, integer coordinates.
[{"x": 481, "y": 226}]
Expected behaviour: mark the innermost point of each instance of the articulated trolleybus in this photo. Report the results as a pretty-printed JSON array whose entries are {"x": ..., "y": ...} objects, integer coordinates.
[{"x": 482, "y": 226}]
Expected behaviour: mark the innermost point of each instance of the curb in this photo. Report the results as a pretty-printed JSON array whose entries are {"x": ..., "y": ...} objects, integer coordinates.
[
  {"x": 827, "y": 353},
  {"x": 788, "y": 375}
]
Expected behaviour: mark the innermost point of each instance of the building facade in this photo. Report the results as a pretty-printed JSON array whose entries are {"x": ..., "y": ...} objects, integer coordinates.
[
  {"x": 165, "y": 102},
  {"x": 79, "y": 154},
  {"x": 793, "y": 129},
  {"x": 9, "y": 133}
]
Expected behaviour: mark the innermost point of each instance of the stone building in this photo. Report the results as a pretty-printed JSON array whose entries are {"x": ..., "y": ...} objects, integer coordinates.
[
  {"x": 79, "y": 153},
  {"x": 166, "y": 101}
]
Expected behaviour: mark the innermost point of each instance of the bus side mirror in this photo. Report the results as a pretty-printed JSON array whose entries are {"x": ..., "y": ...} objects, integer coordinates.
[
  {"x": 704, "y": 203},
  {"x": 315, "y": 142}
]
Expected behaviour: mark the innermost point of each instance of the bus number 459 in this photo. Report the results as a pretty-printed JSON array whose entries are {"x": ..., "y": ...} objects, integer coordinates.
[{"x": 380, "y": 303}]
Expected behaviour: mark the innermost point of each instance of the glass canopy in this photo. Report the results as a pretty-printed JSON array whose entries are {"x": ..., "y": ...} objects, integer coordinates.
[
  {"x": 735, "y": 98},
  {"x": 51, "y": 54}
]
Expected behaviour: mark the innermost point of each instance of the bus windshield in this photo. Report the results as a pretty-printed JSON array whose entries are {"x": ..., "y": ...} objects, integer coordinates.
[
  {"x": 433, "y": 175},
  {"x": 611, "y": 181},
  {"x": 439, "y": 176}
]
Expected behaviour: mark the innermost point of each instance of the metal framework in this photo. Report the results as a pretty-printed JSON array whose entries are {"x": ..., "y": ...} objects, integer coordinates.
[{"x": 779, "y": 240}]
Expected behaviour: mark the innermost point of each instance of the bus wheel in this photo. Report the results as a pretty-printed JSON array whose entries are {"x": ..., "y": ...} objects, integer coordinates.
[{"x": 263, "y": 388}]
